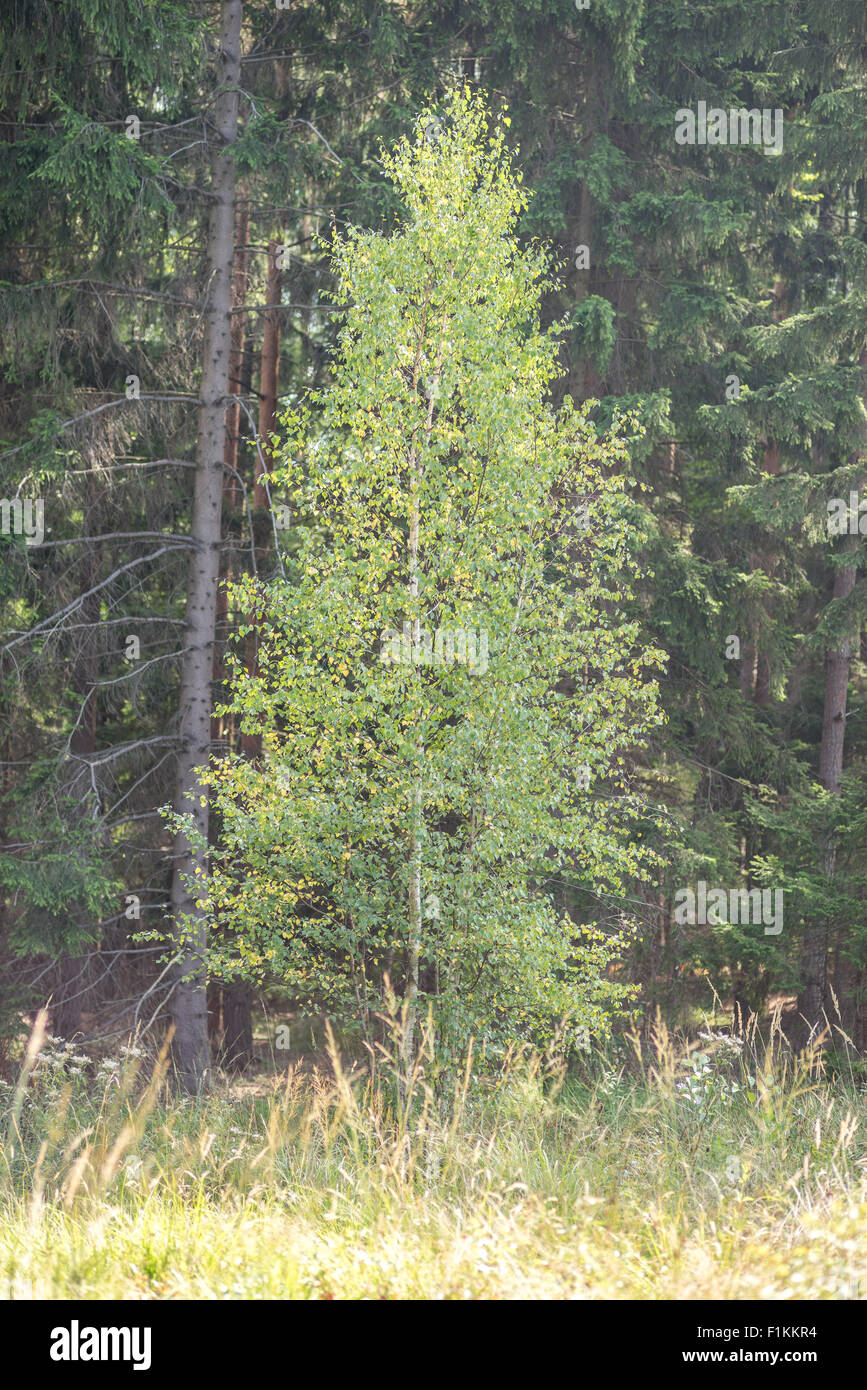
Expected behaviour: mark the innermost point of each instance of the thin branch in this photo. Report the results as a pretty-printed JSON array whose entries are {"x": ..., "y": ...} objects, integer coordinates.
[
  {"x": 98, "y": 409},
  {"x": 111, "y": 753},
  {"x": 76, "y": 603},
  {"x": 264, "y": 308},
  {"x": 264, "y": 477},
  {"x": 119, "y": 467},
  {"x": 97, "y": 285},
  {"x": 186, "y": 542}
]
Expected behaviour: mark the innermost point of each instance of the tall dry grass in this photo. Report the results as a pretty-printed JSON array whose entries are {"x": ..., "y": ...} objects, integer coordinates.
[{"x": 726, "y": 1168}]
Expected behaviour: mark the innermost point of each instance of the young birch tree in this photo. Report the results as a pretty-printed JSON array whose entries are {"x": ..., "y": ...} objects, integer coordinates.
[{"x": 447, "y": 687}]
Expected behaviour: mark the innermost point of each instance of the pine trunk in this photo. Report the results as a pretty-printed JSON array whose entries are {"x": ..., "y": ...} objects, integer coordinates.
[
  {"x": 191, "y": 1052},
  {"x": 811, "y": 1004},
  {"x": 251, "y": 744},
  {"x": 220, "y": 1006},
  {"x": 237, "y": 1051},
  {"x": 71, "y": 990}
]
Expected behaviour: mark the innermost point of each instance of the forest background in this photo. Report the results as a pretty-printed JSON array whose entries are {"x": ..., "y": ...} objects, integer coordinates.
[{"x": 171, "y": 176}]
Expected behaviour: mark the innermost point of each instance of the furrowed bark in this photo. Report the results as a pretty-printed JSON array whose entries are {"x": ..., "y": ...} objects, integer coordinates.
[
  {"x": 237, "y": 995},
  {"x": 237, "y": 1051},
  {"x": 838, "y": 660},
  {"x": 222, "y": 731},
  {"x": 755, "y": 667},
  {"x": 230, "y": 1026},
  {"x": 251, "y": 744},
  {"x": 269, "y": 379},
  {"x": 191, "y": 1052},
  {"x": 73, "y": 972}
]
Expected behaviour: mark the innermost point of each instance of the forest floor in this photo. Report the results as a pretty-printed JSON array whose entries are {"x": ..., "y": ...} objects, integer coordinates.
[{"x": 680, "y": 1174}]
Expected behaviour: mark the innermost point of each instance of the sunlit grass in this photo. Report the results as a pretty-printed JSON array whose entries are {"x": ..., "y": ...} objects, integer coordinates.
[{"x": 717, "y": 1172}]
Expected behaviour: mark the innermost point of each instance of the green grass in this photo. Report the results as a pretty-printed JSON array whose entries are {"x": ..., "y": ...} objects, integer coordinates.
[{"x": 677, "y": 1175}]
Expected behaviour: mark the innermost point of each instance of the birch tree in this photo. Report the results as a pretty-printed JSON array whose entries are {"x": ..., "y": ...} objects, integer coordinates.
[{"x": 446, "y": 684}]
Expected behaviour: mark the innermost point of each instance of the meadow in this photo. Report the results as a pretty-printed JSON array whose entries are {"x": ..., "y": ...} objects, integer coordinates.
[{"x": 719, "y": 1168}]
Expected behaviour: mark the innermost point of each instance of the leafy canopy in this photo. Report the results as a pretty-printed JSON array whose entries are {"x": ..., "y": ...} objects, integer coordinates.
[{"x": 446, "y": 682}]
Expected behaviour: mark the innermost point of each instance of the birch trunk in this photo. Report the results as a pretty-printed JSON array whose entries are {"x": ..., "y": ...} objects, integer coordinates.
[{"x": 416, "y": 812}]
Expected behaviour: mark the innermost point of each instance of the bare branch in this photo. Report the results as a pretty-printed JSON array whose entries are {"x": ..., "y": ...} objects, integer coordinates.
[
  {"x": 263, "y": 308},
  {"x": 120, "y": 467},
  {"x": 98, "y": 409},
  {"x": 76, "y": 603},
  {"x": 186, "y": 542},
  {"x": 264, "y": 475},
  {"x": 97, "y": 285}
]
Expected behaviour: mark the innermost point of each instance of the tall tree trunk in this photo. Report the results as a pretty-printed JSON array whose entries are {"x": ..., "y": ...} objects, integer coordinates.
[
  {"x": 227, "y": 1023},
  {"x": 410, "y": 996},
  {"x": 237, "y": 1050},
  {"x": 755, "y": 667},
  {"x": 251, "y": 744},
  {"x": 837, "y": 665},
  {"x": 811, "y": 1002},
  {"x": 191, "y": 1052},
  {"x": 593, "y": 80},
  {"x": 72, "y": 971},
  {"x": 220, "y": 731},
  {"x": 237, "y": 1000},
  {"x": 66, "y": 1013},
  {"x": 414, "y": 944},
  {"x": 236, "y": 350},
  {"x": 269, "y": 380}
]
